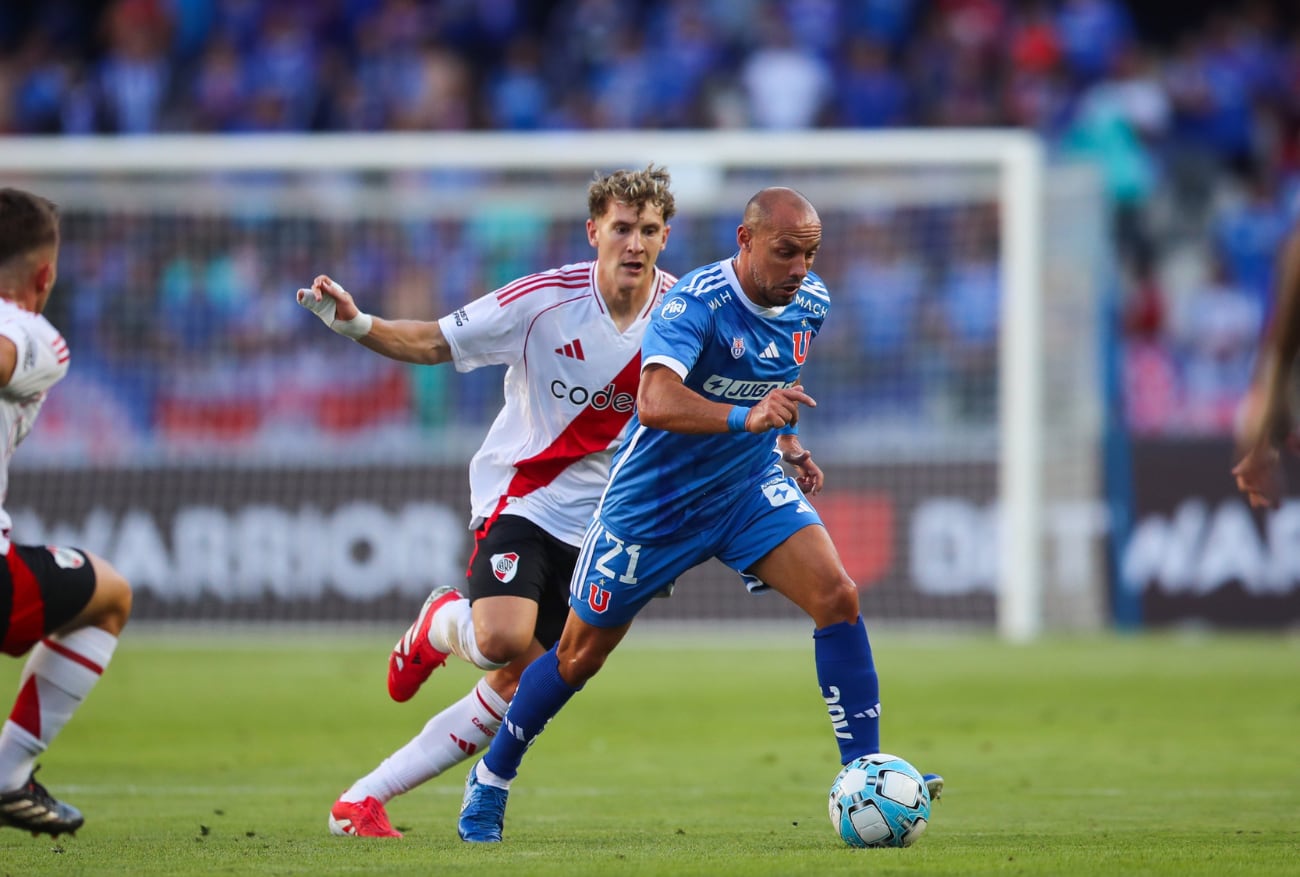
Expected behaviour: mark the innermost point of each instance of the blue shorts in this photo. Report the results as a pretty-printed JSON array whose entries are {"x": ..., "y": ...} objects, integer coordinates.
[{"x": 615, "y": 577}]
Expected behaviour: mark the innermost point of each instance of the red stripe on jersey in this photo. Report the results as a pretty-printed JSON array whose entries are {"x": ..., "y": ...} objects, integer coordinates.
[
  {"x": 525, "y": 285},
  {"x": 504, "y": 299},
  {"x": 481, "y": 533},
  {"x": 75, "y": 657},
  {"x": 564, "y": 279},
  {"x": 666, "y": 282},
  {"x": 27, "y": 613},
  {"x": 591, "y": 431},
  {"x": 595, "y": 289}
]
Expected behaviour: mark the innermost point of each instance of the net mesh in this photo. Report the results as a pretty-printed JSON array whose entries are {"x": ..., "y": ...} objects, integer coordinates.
[{"x": 236, "y": 460}]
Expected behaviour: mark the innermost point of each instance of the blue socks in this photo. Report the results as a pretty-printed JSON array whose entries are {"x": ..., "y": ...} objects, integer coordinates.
[
  {"x": 850, "y": 686},
  {"x": 542, "y": 693},
  {"x": 845, "y": 669}
]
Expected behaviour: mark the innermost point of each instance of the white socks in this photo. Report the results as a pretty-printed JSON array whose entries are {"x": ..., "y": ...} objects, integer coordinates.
[
  {"x": 453, "y": 735},
  {"x": 488, "y": 778},
  {"x": 58, "y": 675}
]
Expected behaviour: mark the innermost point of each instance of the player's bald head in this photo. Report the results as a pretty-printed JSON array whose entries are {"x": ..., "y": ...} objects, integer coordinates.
[
  {"x": 778, "y": 238},
  {"x": 779, "y": 207}
]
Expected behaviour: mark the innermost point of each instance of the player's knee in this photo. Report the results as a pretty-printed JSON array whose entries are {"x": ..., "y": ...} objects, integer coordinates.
[
  {"x": 118, "y": 608},
  {"x": 836, "y": 602},
  {"x": 112, "y": 600},
  {"x": 501, "y": 645}
]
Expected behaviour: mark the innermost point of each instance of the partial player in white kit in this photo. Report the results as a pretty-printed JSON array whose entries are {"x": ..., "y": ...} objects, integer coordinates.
[
  {"x": 61, "y": 606},
  {"x": 571, "y": 340}
]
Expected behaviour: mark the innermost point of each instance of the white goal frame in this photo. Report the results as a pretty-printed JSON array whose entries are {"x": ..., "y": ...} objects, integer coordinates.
[{"x": 1017, "y": 156}]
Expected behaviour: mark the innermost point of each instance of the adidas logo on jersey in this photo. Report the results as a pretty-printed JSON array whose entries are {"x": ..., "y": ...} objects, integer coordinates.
[
  {"x": 770, "y": 351},
  {"x": 573, "y": 349}
]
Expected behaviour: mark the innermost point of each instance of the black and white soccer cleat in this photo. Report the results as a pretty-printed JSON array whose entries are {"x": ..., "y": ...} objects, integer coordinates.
[{"x": 33, "y": 809}]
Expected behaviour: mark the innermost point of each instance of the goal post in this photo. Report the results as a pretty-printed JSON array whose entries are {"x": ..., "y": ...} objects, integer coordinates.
[
  {"x": 1021, "y": 413},
  {"x": 274, "y": 198}
]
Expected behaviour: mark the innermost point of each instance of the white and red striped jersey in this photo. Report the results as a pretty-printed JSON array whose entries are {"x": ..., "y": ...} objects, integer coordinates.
[
  {"x": 42, "y": 361},
  {"x": 569, "y": 390}
]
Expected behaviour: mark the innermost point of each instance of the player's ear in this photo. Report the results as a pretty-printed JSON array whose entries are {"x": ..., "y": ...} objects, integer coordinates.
[
  {"x": 42, "y": 285},
  {"x": 591, "y": 232},
  {"x": 43, "y": 276}
]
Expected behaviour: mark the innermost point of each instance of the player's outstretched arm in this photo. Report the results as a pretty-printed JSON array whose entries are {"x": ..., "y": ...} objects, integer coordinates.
[
  {"x": 415, "y": 341},
  {"x": 664, "y": 402}
]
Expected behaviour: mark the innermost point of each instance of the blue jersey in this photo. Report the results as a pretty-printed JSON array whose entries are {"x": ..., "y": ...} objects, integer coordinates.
[{"x": 728, "y": 349}]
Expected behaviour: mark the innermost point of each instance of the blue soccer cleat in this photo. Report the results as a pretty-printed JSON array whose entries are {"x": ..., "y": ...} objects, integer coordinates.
[
  {"x": 482, "y": 811},
  {"x": 934, "y": 785}
]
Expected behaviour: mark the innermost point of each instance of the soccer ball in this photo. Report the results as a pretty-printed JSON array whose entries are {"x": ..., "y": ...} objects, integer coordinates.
[{"x": 879, "y": 801}]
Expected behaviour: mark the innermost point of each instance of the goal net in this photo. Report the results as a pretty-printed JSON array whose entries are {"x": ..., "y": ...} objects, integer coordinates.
[{"x": 236, "y": 461}]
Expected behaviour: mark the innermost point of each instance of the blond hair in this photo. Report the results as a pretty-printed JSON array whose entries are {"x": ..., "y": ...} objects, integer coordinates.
[{"x": 634, "y": 188}]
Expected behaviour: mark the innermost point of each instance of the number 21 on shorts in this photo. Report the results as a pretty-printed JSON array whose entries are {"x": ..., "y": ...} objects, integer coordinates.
[{"x": 615, "y": 561}]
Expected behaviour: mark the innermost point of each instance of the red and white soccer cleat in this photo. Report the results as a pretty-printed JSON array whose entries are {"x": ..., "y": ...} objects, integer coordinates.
[
  {"x": 364, "y": 819},
  {"x": 414, "y": 658}
]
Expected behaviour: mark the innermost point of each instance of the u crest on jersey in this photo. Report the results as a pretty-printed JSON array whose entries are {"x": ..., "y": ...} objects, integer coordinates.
[
  {"x": 801, "y": 342},
  {"x": 737, "y": 348}
]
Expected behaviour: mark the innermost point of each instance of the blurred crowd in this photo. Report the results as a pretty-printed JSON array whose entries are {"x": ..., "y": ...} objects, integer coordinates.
[
  {"x": 1196, "y": 131},
  {"x": 186, "y": 335}
]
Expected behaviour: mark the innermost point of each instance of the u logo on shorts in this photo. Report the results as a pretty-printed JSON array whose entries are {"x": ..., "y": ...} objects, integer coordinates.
[{"x": 597, "y": 598}]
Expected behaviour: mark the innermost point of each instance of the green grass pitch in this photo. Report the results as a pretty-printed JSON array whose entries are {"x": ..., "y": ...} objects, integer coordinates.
[{"x": 205, "y": 753}]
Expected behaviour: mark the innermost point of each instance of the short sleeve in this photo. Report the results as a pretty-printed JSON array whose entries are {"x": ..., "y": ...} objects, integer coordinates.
[
  {"x": 485, "y": 332},
  {"x": 677, "y": 334},
  {"x": 42, "y": 356}
]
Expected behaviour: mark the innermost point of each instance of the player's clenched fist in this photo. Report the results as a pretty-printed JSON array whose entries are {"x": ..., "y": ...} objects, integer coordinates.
[{"x": 778, "y": 408}]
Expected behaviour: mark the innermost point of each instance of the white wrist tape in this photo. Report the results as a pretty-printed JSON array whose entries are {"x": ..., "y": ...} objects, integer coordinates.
[{"x": 357, "y": 327}]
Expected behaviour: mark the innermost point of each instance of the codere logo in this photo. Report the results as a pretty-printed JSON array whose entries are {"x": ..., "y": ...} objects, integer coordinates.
[{"x": 607, "y": 396}]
